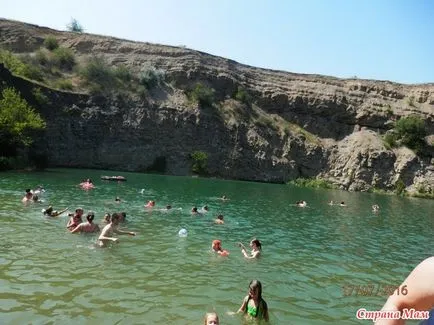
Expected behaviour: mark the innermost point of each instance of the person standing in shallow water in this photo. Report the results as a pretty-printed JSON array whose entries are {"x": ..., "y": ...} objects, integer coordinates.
[
  {"x": 88, "y": 226},
  {"x": 256, "y": 246},
  {"x": 254, "y": 306},
  {"x": 112, "y": 227}
]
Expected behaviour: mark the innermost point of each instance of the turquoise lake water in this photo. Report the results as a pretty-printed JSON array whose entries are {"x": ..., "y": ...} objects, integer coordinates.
[{"x": 49, "y": 276}]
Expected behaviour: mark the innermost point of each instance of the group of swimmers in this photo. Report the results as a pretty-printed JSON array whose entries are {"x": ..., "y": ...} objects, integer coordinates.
[{"x": 303, "y": 204}]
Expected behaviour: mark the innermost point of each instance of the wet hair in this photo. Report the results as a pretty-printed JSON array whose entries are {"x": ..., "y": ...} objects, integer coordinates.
[
  {"x": 220, "y": 217},
  {"x": 35, "y": 198},
  {"x": 107, "y": 217},
  {"x": 90, "y": 216},
  {"x": 117, "y": 199},
  {"x": 115, "y": 216},
  {"x": 205, "y": 320},
  {"x": 78, "y": 209},
  {"x": 194, "y": 209},
  {"x": 205, "y": 208},
  {"x": 168, "y": 207},
  {"x": 256, "y": 284},
  {"x": 257, "y": 243},
  {"x": 123, "y": 214},
  {"x": 48, "y": 210}
]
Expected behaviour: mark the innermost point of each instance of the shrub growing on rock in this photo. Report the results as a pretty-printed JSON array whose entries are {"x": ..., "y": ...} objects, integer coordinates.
[
  {"x": 411, "y": 132},
  {"x": 51, "y": 43},
  {"x": 64, "y": 58},
  {"x": 202, "y": 95},
  {"x": 151, "y": 77},
  {"x": 200, "y": 162}
]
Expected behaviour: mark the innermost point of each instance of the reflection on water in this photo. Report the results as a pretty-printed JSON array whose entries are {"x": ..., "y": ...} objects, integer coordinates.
[{"x": 49, "y": 276}]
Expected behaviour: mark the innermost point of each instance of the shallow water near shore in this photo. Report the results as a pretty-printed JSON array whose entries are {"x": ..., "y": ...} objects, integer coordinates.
[{"x": 49, "y": 276}]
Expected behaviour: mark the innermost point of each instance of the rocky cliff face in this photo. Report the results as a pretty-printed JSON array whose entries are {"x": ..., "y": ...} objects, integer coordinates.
[{"x": 296, "y": 125}]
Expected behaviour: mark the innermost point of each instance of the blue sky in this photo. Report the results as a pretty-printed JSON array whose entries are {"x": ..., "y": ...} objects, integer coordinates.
[{"x": 372, "y": 39}]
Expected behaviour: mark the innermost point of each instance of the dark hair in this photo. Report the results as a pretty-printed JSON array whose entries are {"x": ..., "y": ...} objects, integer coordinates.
[
  {"x": 220, "y": 216},
  {"x": 256, "y": 284},
  {"x": 35, "y": 198},
  {"x": 28, "y": 190},
  {"x": 117, "y": 198},
  {"x": 90, "y": 216},
  {"x": 168, "y": 207},
  {"x": 257, "y": 243},
  {"x": 115, "y": 216},
  {"x": 194, "y": 209}
]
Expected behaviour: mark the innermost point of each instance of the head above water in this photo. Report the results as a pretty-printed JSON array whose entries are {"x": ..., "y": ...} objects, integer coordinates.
[
  {"x": 168, "y": 207},
  {"x": 211, "y": 319},
  {"x": 115, "y": 218},
  {"x": 90, "y": 216},
  {"x": 217, "y": 245},
  {"x": 255, "y": 242},
  {"x": 194, "y": 209},
  {"x": 220, "y": 217},
  {"x": 255, "y": 289}
]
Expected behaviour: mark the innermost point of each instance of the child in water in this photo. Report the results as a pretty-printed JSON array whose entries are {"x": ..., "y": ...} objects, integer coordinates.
[
  {"x": 217, "y": 247},
  {"x": 253, "y": 304},
  {"x": 211, "y": 319}
]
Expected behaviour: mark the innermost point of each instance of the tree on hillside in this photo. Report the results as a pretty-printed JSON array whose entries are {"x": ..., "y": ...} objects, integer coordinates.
[
  {"x": 75, "y": 26},
  {"x": 17, "y": 121}
]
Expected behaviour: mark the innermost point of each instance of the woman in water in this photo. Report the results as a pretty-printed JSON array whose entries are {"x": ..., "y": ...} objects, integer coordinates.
[
  {"x": 256, "y": 246},
  {"x": 88, "y": 226},
  {"x": 253, "y": 304}
]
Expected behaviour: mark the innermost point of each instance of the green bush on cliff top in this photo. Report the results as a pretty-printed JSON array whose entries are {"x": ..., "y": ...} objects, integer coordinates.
[{"x": 18, "y": 67}]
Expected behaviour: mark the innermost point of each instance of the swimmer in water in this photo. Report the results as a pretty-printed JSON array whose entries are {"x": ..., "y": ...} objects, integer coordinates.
[
  {"x": 301, "y": 204},
  {"x": 194, "y": 210},
  {"x": 150, "y": 204},
  {"x": 28, "y": 197},
  {"x": 53, "y": 213},
  {"x": 375, "y": 208},
  {"x": 216, "y": 247},
  {"x": 254, "y": 306},
  {"x": 88, "y": 226},
  {"x": 219, "y": 220},
  {"x": 256, "y": 246},
  {"x": 110, "y": 229},
  {"x": 204, "y": 209}
]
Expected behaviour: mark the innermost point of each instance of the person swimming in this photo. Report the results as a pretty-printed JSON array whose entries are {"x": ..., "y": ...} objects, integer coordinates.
[
  {"x": 301, "y": 204},
  {"x": 375, "y": 208},
  {"x": 256, "y": 246},
  {"x": 150, "y": 204},
  {"x": 53, "y": 213},
  {"x": 204, "y": 209},
  {"x": 219, "y": 220},
  {"x": 216, "y": 247},
  {"x": 194, "y": 210},
  {"x": 28, "y": 197}
]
